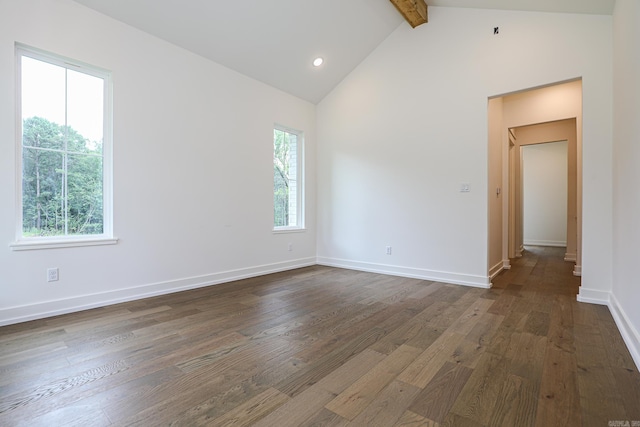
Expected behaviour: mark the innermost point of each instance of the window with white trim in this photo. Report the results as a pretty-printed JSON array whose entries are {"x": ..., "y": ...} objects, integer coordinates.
[
  {"x": 288, "y": 193},
  {"x": 64, "y": 150}
]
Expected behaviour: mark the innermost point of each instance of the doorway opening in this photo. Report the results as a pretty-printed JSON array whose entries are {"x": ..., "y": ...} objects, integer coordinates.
[{"x": 535, "y": 117}]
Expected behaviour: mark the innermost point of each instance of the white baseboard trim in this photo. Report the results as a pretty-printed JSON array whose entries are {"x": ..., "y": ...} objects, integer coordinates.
[
  {"x": 570, "y": 257},
  {"x": 495, "y": 270},
  {"x": 41, "y": 310},
  {"x": 593, "y": 296},
  {"x": 630, "y": 335},
  {"x": 554, "y": 243},
  {"x": 506, "y": 264},
  {"x": 415, "y": 273},
  {"x": 577, "y": 270}
]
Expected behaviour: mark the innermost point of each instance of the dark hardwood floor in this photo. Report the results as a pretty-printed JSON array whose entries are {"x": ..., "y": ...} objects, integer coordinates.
[{"x": 323, "y": 346}]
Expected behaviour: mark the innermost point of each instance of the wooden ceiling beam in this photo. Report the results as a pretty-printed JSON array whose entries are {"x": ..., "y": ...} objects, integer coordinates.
[{"x": 414, "y": 11}]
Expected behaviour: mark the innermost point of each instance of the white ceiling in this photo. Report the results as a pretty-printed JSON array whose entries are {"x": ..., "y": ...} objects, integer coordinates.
[{"x": 275, "y": 41}]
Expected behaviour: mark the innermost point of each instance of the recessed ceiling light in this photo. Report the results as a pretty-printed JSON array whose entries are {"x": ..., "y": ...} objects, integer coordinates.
[{"x": 318, "y": 62}]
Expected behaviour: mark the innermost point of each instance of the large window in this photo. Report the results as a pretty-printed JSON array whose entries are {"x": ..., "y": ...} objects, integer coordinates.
[
  {"x": 287, "y": 179},
  {"x": 64, "y": 146}
]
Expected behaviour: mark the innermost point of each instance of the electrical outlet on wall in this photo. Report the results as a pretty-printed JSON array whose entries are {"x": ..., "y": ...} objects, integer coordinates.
[
  {"x": 52, "y": 274},
  {"x": 388, "y": 250}
]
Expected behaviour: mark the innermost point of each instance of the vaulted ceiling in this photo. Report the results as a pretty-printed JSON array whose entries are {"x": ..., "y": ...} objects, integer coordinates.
[{"x": 275, "y": 41}]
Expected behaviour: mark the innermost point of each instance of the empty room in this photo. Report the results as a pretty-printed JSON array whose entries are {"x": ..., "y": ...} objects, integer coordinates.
[{"x": 337, "y": 213}]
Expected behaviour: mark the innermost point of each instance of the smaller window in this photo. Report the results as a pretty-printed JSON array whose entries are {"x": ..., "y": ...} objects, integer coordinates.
[{"x": 288, "y": 200}]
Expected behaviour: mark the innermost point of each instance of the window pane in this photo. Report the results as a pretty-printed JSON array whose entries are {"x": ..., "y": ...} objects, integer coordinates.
[
  {"x": 286, "y": 186},
  {"x": 281, "y": 178},
  {"x": 43, "y": 92},
  {"x": 85, "y": 107},
  {"x": 42, "y": 190},
  {"x": 84, "y": 187}
]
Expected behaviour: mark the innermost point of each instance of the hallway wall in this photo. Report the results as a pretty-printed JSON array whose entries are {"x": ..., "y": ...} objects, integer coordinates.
[{"x": 545, "y": 193}]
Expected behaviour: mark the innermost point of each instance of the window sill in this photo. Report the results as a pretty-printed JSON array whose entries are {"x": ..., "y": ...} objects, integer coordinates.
[
  {"x": 29, "y": 245},
  {"x": 289, "y": 230}
]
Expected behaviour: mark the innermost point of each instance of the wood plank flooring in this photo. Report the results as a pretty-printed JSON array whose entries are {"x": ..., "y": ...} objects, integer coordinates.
[{"x": 323, "y": 346}]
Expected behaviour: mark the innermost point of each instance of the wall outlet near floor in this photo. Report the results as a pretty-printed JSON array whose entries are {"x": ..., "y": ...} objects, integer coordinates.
[
  {"x": 388, "y": 250},
  {"x": 52, "y": 274},
  {"x": 290, "y": 247}
]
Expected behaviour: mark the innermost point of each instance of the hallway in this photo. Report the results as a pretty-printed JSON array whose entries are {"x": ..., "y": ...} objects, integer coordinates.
[{"x": 542, "y": 270}]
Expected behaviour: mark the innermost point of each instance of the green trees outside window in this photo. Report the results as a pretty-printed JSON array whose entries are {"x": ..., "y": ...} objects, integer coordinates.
[
  {"x": 61, "y": 181},
  {"x": 63, "y": 153},
  {"x": 286, "y": 170}
]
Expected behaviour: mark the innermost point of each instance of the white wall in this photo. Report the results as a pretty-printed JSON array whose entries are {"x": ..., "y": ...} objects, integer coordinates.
[
  {"x": 400, "y": 134},
  {"x": 192, "y": 168},
  {"x": 625, "y": 298},
  {"x": 544, "y": 182}
]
